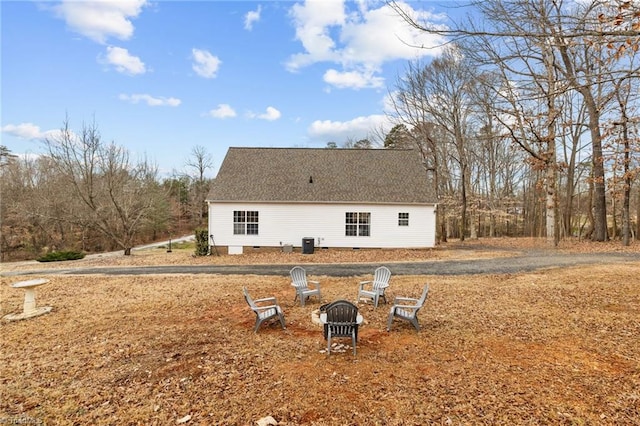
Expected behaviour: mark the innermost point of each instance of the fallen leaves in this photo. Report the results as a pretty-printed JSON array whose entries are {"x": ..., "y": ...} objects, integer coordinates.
[{"x": 552, "y": 347}]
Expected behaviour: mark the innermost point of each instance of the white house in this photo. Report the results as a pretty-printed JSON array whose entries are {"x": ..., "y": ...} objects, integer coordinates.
[{"x": 321, "y": 198}]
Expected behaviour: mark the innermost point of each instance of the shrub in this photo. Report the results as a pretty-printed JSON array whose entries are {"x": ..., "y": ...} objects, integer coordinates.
[
  {"x": 57, "y": 256},
  {"x": 202, "y": 242}
]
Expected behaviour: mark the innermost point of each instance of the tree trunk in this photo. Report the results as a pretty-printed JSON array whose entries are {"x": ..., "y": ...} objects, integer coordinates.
[
  {"x": 597, "y": 160},
  {"x": 614, "y": 219},
  {"x": 463, "y": 207},
  {"x": 626, "y": 213},
  {"x": 551, "y": 205},
  {"x": 638, "y": 216},
  {"x": 599, "y": 196},
  {"x": 626, "y": 227},
  {"x": 590, "y": 219},
  {"x": 442, "y": 223}
]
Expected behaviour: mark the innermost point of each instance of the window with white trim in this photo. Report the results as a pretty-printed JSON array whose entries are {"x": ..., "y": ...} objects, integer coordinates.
[
  {"x": 245, "y": 222},
  {"x": 358, "y": 224},
  {"x": 403, "y": 219}
]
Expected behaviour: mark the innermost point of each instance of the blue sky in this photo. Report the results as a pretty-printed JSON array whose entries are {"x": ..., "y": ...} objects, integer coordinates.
[{"x": 162, "y": 77}]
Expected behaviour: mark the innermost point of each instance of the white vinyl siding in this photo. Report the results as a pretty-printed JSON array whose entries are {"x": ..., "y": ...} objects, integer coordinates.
[{"x": 289, "y": 223}]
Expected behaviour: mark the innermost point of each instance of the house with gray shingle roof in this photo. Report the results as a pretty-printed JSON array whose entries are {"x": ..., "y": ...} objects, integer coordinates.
[{"x": 353, "y": 198}]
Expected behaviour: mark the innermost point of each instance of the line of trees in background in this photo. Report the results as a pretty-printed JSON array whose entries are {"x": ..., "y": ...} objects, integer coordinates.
[
  {"x": 529, "y": 120},
  {"x": 527, "y": 126},
  {"x": 88, "y": 195}
]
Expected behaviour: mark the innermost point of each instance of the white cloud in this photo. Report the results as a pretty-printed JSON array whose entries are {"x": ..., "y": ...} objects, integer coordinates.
[
  {"x": 23, "y": 131},
  {"x": 205, "y": 64},
  {"x": 222, "y": 111},
  {"x": 313, "y": 21},
  {"x": 358, "y": 128},
  {"x": 99, "y": 20},
  {"x": 352, "y": 79},
  {"x": 251, "y": 17},
  {"x": 30, "y": 131},
  {"x": 123, "y": 61},
  {"x": 381, "y": 35},
  {"x": 359, "y": 40},
  {"x": 271, "y": 114},
  {"x": 150, "y": 100}
]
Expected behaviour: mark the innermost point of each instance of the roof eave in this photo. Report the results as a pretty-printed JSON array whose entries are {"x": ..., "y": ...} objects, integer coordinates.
[{"x": 418, "y": 203}]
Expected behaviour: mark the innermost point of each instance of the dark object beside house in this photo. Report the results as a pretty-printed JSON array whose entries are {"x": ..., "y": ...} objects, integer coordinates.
[{"x": 307, "y": 246}]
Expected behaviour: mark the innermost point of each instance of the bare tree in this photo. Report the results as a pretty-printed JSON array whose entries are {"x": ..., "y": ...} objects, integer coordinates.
[
  {"x": 627, "y": 130},
  {"x": 591, "y": 66},
  {"x": 198, "y": 164},
  {"x": 14, "y": 223},
  {"x": 115, "y": 195},
  {"x": 450, "y": 84},
  {"x": 33, "y": 203},
  {"x": 352, "y": 143},
  {"x": 498, "y": 162},
  {"x": 570, "y": 39},
  {"x": 621, "y": 20},
  {"x": 410, "y": 109},
  {"x": 572, "y": 167},
  {"x": 528, "y": 91}
]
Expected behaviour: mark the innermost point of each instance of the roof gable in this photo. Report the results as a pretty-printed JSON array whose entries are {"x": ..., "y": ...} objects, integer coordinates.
[{"x": 321, "y": 175}]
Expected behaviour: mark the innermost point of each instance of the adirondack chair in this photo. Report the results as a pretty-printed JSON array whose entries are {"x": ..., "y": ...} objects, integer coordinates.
[
  {"x": 301, "y": 284},
  {"x": 264, "y": 312},
  {"x": 406, "y": 308},
  {"x": 342, "y": 321},
  {"x": 375, "y": 289}
]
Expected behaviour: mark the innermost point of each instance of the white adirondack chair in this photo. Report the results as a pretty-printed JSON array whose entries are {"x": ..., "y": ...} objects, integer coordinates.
[
  {"x": 375, "y": 289},
  {"x": 406, "y": 308},
  {"x": 264, "y": 312},
  {"x": 301, "y": 284}
]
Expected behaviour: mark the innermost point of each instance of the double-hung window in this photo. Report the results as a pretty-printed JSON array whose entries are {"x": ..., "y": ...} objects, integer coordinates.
[
  {"x": 358, "y": 224},
  {"x": 245, "y": 222},
  {"x": 403, "y": 219}
]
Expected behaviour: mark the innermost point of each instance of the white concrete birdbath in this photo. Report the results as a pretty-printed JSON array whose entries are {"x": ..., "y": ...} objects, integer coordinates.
[{"x": 29, "y": 309}]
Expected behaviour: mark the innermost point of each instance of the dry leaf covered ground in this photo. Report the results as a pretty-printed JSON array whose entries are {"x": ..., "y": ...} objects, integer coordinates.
[{"x": 558, "y": 346}]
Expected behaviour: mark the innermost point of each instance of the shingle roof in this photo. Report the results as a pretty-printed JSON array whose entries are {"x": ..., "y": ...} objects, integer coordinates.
[{"x": 321, "y": 175}]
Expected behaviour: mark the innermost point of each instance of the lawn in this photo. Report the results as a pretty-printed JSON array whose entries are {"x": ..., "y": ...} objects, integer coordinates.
[{"x": 559, "y": 346}]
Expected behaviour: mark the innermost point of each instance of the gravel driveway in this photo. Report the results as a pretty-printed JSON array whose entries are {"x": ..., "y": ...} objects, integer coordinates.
[{"x": 525, "y": 262}]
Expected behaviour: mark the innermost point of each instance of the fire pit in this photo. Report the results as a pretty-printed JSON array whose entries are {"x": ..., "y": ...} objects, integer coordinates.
[
  {"x": 319, "y": 318},
  {"x": 315, "y": 317}
]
